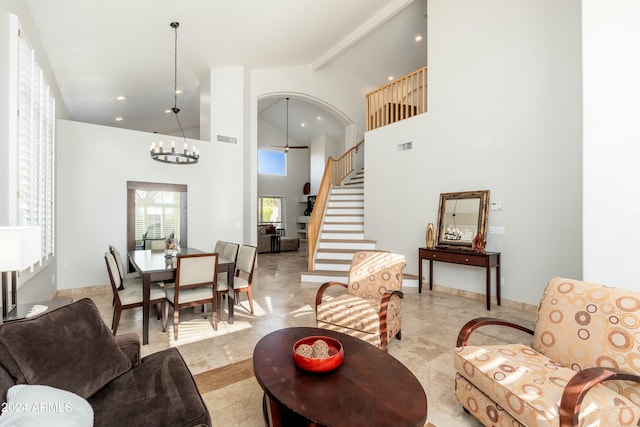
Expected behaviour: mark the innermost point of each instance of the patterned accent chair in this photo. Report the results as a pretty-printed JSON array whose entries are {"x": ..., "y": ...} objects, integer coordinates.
[
  {"x": 371, "y": 307},
  {"x": 582, "y": 368}
]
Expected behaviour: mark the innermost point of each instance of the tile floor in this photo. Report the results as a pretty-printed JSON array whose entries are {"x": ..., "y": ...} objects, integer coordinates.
[{"x": 431, "y": 322}]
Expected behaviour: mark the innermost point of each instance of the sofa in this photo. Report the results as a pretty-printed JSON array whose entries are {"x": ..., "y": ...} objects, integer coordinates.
[
  {"x": 267, "y": 234},
  {"x": 69, "y": 356},
  {"x": 581, "y": 368}
]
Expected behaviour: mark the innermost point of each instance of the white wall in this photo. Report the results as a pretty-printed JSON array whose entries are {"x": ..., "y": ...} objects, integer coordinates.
[
  {"x": 611, "y": 64},
  {"x": 322, "y": 147},
  {"x": 94, "y": 164},
  {"x": 289, "y": 186},
  {"x": 504, "y": 115}
]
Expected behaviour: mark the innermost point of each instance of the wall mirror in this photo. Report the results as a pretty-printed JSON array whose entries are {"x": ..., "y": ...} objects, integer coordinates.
[{"x": 460, "y": 217}]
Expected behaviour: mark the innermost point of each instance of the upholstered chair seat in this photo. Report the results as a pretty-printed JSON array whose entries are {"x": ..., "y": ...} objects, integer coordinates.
[{"x": 132, "y": 294}]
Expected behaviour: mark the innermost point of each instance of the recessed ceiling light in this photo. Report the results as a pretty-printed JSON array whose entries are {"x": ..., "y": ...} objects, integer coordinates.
[
  {"x": 120, "y": 98},
  {"x": 418, "y": 38},
  {"x": 178, "y": 92},
  {"x": 390, "y": 78},
  {"x": 318, "y": 118},
  {"x": 119, "y": 119},
  {"x": 302, "y": 124},
  {"x": 167, "y": 111}
]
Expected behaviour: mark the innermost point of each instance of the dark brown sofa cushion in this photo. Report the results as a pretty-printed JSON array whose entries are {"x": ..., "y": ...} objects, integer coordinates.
[
  {"x": 160, "y": 391},
  {"x": 69, "y": 348}
]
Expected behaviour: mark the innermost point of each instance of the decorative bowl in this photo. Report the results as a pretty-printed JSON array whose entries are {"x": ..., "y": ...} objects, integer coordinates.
[{"x": 319, "y": 364}]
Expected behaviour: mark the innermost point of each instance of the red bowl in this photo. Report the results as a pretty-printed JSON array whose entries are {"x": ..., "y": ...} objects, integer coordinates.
[{"x": 311, "y": 364}]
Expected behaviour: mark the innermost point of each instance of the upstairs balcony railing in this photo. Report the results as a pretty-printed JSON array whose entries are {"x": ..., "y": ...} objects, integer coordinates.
[{"x": 403, "y": 98}]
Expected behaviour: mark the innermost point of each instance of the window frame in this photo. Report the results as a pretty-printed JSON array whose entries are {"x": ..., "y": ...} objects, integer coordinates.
[
  {"x": 282, "y": 215},
  {"x": 132, "y": 186}
]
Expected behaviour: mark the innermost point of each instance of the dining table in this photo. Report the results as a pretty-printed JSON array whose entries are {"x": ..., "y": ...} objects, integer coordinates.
[{"x": 155, "y": 266}]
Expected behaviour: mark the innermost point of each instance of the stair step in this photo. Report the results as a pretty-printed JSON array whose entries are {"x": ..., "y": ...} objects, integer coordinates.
[
  {"x": 333, "y": 264},
  {"x": 357, "y": 244},
  {"x": 350, "y": 189},
  {"x": 343, "y": 226},
  {"x": 331, "y": 210},
  {"x": 342, "y": 234},
  {"x": 345, "y": 204},
  {"x": 345, "y": 254},
  {"x": 347, "y": 197},
  {"x": 338, "y": 218}
]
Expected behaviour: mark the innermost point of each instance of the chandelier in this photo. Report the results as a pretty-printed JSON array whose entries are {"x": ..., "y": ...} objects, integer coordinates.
[{"x": 169, "y": 154}]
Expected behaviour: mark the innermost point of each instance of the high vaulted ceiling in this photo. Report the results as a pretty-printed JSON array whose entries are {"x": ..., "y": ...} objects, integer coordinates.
[{"x": 103, "y": 49}]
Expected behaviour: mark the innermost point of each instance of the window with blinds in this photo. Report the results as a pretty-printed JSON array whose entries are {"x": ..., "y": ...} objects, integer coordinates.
[
  {"x": 157, "y": 215},
  {"x": 35, "y": 146}
]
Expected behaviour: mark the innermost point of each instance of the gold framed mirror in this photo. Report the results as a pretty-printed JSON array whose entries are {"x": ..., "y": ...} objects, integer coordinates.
[{"x": 461, "y": 216}]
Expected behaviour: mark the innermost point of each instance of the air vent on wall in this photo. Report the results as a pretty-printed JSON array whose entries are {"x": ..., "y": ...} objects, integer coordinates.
[
  {"x": 227, "y": 139},
  {"x": 406, "y": 146}
]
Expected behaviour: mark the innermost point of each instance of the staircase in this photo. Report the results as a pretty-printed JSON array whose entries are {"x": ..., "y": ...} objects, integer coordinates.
[{"x": 342, "y": 232}]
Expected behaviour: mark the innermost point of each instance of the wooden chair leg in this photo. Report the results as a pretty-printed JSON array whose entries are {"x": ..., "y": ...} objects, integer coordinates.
[
  {"x": 116, "y": 319},
  {"x": 399, "y": 335},
  {"x": 250, "y": 299},
  {"x": 176, "y": 320},
  {"x": 214, "y": 316},
  {"x": 163, "y": 308}
]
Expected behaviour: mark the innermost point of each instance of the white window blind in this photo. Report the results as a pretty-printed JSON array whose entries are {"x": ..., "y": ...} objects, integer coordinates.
[
  {"x": 35, "y": 147},
  {"x": 157, "y": 214}
]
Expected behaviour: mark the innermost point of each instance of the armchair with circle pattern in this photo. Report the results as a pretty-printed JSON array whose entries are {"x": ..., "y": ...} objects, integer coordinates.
[
  {"x": 371, "y": 307},
  {"x": 581, "y": 369}
]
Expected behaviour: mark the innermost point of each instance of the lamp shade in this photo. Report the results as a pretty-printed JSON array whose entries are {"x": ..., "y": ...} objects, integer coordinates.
[{"x": 20, "y": 247}]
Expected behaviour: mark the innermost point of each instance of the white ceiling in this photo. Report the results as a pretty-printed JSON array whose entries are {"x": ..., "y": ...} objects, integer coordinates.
[{"x": 101, "y": 49}]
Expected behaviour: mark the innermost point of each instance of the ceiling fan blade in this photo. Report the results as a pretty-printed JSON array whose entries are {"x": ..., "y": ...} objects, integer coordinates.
[{"x": 297, "y": 146}]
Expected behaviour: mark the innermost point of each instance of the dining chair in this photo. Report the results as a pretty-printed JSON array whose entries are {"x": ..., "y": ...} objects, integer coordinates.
[
  {"x": 196, "y": 283},
  {"x": 371, "y": 307},
  {"x": 219, "y": 248},
  {"x": 131, "y": 296},
  {"x": 124, "y": 276},
  {"x": 230, "y": 252},
  {"x": 245, "y": 264},
  {"x": 157, "y": 245}
]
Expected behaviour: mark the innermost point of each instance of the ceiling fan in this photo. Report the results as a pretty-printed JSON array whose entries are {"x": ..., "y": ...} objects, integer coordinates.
[{"x": 288, "y": 147}]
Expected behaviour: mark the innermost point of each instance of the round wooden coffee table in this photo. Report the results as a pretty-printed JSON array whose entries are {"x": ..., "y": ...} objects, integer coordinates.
[{"x": 370, "y": 387}]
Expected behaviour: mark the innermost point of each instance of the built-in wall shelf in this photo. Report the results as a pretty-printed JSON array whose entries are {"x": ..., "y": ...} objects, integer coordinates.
[{"x": 301, "y": 222}]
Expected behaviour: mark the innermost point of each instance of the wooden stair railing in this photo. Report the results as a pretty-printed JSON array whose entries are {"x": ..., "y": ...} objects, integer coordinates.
[
  {"x": 398, "y": 100},
  {"x": 334, "y": 173}
]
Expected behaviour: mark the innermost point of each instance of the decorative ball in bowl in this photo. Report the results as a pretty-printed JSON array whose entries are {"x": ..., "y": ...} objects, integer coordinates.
[{"x": 318, "y": 353}]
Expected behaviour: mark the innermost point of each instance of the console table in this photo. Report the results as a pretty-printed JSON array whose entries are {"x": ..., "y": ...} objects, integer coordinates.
[{"x": 463, "y": 257}]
